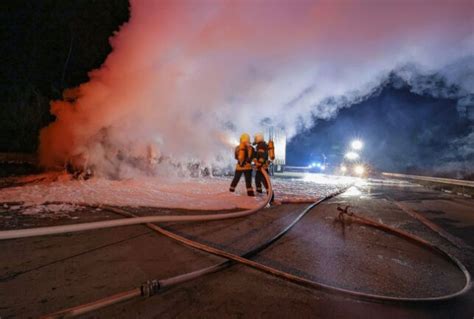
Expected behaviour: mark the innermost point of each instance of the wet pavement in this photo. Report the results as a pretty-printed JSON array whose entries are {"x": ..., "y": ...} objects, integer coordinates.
[{"x": 45, "y": 274}]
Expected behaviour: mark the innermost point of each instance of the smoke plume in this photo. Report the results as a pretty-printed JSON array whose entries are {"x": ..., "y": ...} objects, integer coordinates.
[{"x": 186, "y": 76}]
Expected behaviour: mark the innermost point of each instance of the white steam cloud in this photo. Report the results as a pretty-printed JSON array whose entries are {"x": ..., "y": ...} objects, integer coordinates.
[{"x": 184, "y": 76}]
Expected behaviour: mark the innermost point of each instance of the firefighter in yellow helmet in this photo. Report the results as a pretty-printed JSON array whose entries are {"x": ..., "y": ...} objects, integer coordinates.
[
  {"x": 244, "y": 154},
  {"x": 263, "y": 154}
]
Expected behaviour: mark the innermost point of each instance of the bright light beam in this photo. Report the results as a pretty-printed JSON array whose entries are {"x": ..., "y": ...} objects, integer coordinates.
[
  {"x": 357, "y": 145},
  {"x": 351, "y": 156},
  {"x": 359, "y": 170}
]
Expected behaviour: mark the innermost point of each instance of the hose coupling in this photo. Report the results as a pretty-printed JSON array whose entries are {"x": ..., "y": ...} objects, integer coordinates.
[
  {"x": 150, "y": 288},
  {"x": 342, "y": 212}
]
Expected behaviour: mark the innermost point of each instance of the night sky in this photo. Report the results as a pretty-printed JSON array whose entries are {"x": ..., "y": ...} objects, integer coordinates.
[
  {"x": 48, "y": 46},
  {"x": 402, "y": 132}
]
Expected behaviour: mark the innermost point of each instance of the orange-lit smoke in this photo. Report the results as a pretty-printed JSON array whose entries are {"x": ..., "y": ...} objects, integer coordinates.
[{"x": 183, "y": 74}]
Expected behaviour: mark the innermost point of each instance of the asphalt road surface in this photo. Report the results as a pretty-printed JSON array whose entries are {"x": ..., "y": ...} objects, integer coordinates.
[{"x": 46, "y": 274}]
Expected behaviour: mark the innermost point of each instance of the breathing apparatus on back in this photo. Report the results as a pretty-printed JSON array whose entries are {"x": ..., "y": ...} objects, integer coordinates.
[{"x": 271, "y": 150}]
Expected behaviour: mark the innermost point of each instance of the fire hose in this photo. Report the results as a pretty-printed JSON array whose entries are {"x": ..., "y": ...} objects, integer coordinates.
[
  {"x": 152, "y": 287},
  {"x": 54, "y": 230},
  {"x": 318, "y": 285}
]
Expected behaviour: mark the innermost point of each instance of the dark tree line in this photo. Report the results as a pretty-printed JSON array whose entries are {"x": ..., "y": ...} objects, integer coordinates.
[{"x": 46, "y": 47}]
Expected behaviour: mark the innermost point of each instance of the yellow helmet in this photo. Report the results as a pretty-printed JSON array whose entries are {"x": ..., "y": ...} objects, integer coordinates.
[{"x": 245, "y": 138}]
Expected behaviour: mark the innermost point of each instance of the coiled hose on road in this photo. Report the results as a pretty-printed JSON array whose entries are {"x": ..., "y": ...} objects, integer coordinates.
[
  {"x": 314, "y": 284},
  {"x": 154, "y": 286}
]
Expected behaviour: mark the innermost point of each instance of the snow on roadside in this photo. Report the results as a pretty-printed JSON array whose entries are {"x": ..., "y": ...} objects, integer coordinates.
[{"x": 185, "y": 193}]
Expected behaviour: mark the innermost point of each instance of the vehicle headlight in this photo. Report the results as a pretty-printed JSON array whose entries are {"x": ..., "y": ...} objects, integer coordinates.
[{"x": 359, "y": 169}]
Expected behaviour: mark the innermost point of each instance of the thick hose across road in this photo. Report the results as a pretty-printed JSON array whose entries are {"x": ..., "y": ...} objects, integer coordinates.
[
  {"x": 173, "y": 281},
  {"x": 155, "y": 286},
  {"x": 351, "y": 293},
  {"x": 54, "y": 230},
  {"x": 310, "y": 283}
]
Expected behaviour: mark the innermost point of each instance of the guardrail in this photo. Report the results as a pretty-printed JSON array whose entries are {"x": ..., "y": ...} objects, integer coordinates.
[{"x": 450, "y": 181}]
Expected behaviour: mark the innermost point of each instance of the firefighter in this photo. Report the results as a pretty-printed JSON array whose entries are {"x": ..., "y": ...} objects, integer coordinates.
[
  {"x": 263, "y": 154},
  {"x": 244, "y": 154}
]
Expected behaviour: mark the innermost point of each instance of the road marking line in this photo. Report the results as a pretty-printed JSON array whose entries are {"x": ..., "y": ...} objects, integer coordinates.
[{"x": 458, "y": 242}]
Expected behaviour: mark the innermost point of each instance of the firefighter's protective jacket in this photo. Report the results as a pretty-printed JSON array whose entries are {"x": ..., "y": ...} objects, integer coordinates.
[
  {"x": 244, "y": 153},
  {"x": 261, "y": 155}
]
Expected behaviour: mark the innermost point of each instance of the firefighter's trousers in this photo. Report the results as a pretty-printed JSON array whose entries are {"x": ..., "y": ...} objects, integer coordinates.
[{"x": 248, "y": 181}]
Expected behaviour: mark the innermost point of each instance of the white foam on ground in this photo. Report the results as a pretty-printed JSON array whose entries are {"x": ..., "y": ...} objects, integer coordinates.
[
  {"x": 50, "y": 210},
  {"x": 210, "y": 193}
]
